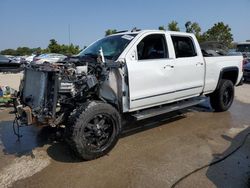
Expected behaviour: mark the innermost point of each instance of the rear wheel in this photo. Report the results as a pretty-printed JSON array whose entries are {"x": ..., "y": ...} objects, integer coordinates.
[
  {"x": 223, "y": 97},
  {"x": 94, "y": 130}
]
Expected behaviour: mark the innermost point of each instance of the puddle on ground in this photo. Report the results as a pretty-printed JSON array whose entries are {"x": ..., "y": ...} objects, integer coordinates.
[{"x": 32, "y": 137}]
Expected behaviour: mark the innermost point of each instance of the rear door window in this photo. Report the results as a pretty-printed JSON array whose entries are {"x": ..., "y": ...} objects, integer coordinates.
[{"x": 183, "y": 46}]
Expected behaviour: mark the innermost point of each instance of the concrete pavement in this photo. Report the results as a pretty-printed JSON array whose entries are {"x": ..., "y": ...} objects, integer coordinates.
[{"x": 151, "y": 153}]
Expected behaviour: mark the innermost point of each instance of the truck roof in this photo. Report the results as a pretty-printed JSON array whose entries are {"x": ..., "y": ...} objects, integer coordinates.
[{"x": 152, "y": 31}]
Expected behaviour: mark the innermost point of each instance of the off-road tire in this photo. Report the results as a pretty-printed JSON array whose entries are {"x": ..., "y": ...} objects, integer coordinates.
[
  {"x": 222, "y": 98},
  {"x": 79, "y": 120}
]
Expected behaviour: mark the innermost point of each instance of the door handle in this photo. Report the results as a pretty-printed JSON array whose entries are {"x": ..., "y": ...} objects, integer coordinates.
[
  {"x": 168, "y": 66},
  {"x": 199, "y": 63}
]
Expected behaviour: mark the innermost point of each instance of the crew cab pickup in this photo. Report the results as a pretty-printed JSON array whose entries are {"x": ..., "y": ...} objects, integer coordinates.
[{"x": 136, "y": 73}]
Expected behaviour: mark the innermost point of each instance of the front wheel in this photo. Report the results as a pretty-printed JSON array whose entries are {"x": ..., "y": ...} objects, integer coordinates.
[
  {"x": 222, "y": 98},
  {"x": 94, "y": 130}
]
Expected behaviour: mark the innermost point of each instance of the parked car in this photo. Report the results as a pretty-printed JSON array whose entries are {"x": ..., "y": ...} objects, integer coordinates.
[
  {"x": 246, "y": 73},
  {"x": 9, "y": 65},
  {"x": 244, "y": 48},
  {"x": 51, "y": 58},
  {"x": 140, "y": 74},
  {"x": 10, "y": 57},
  {"x": 30, "y": 58},
  {"x": 19, "y": 59}
]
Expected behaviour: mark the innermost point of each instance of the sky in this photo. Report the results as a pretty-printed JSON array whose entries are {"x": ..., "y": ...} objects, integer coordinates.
[{"x": 33, "y": 23}]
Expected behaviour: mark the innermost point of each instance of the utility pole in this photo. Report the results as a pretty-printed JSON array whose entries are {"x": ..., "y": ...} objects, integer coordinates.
[{"x": 69, "y": 34}]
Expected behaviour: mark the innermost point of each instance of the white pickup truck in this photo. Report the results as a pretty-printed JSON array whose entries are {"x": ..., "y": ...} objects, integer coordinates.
[{"x": 138, "y": 73}]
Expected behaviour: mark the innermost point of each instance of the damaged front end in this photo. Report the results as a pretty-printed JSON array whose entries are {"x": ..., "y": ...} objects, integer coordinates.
[
  {"x": 50, "y": 92},
  {"x": 38, "y": 94}
]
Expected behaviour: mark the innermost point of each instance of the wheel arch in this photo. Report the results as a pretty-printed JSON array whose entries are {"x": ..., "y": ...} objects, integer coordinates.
[{"x": 229, "y": 73}]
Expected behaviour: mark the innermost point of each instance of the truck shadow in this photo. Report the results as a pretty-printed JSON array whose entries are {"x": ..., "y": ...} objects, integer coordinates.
[
  {"x": 132, "y": 127},
  {"x": 33, "y": 136},
  {"x": 60, "y": 151},
  {"x": 234, "y": 171}
]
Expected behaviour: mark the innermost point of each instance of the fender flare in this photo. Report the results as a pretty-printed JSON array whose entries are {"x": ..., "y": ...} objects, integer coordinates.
[{"x": 228, "y": 69}]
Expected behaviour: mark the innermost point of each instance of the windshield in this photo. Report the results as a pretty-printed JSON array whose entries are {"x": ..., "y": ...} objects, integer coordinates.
[
  {"x": 112, "y": 46},
  {"x": 243, "y": 48}
]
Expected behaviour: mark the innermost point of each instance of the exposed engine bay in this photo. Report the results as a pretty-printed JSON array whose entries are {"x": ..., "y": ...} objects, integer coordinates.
[{"x": 50, "y": 92}]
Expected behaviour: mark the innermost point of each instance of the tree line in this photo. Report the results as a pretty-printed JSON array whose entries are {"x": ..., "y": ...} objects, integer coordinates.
[{"x": 53, "y": 47}]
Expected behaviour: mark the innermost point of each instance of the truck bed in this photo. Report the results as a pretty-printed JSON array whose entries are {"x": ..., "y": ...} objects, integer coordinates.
[{"x": 215, "y": 64}]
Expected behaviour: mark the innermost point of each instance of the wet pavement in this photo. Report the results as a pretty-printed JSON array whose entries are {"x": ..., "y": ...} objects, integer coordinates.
[{"x": 151, "y": 153}]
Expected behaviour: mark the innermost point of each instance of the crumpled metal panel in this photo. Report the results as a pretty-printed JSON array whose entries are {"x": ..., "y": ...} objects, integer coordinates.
[{"x": 111, "y": 88}]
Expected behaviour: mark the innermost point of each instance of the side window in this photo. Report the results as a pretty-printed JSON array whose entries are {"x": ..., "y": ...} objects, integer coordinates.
[
  {"x": 152, "y": 47},
  {"x": 183, "y": 46}
]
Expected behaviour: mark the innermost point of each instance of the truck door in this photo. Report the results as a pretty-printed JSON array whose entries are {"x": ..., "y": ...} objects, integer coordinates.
[
  {"x": 150, "y": 73},
  {"x": 189, "y": 67}
]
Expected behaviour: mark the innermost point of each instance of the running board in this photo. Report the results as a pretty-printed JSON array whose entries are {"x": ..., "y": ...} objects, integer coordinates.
[{"x": 144, "y": 114}]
